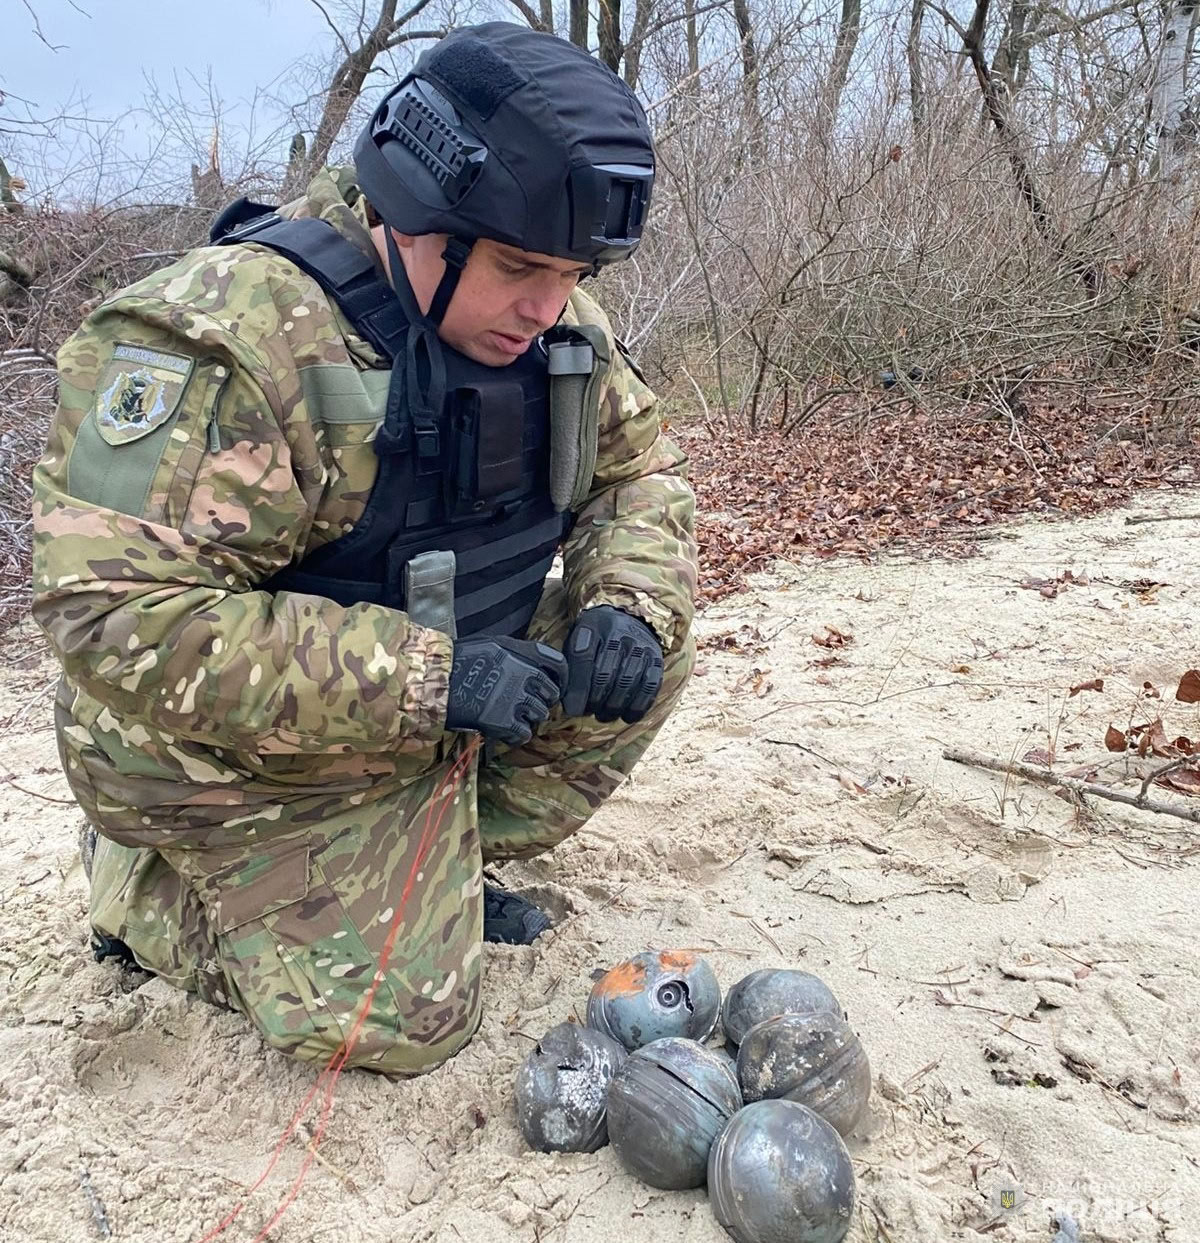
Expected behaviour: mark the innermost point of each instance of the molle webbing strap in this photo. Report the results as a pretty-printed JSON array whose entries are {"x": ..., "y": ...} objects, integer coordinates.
[{"x": 349, "y": 275}]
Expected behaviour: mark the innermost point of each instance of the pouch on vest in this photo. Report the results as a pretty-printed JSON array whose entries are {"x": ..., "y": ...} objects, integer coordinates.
[
  {"x": 489, "y": 423},
  {"x": 579, "y": 357}
]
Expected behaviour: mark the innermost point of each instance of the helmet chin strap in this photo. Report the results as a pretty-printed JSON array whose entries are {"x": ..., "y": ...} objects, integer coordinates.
[
  {"x": 417, "y": 389},
  {"x": 456, "y": 254}
]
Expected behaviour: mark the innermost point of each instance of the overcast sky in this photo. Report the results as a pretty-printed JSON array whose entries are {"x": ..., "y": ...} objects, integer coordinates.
[
  {"x": 107, "y": 45},
  {"x": 107, "y": 49}
]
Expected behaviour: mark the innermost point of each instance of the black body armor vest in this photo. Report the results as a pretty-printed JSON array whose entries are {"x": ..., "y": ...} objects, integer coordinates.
[{"x": 471, "y": 479}]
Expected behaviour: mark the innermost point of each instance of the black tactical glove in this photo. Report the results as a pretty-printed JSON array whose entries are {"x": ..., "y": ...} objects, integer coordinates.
[
  {"x": 502, "y": 687},
  {"x": 615, "y": 666}
]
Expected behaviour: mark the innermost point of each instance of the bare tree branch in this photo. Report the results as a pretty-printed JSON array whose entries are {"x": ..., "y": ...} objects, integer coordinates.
[
  {"x": 389, "y": 31},
  {"x": 337, "y": 34},
  {"x": 37, "y": 29},
  {"x": 534, "y": 20},
  {"x": 1043, "y": 776}
]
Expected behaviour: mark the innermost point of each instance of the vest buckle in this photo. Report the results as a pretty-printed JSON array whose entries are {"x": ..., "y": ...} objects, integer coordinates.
[{"x": 428, "y": 440}]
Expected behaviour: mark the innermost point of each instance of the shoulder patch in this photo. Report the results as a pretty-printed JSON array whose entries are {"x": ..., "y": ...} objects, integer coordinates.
[{"x": 138, "y": 391}]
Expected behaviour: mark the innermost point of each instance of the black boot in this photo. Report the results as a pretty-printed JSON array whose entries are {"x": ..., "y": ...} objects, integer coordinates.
[
  {"x": 104, "y": 946},
  {"x": 510, "y": 919}
]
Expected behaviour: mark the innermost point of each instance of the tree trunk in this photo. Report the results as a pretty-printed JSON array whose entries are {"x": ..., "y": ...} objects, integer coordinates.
[
  {"x": 608, "y": 34},
  {"x": 996, "y": 105},
  {"x": 350, "y": 75},
  {"x": 1011, "y": 47},
  {"x": 547, "y": 7},
  {"x": 642, "y": 16},
  {"x": 578, "y": 23},
  {"x": 745, "y": 29},
  {"x": 843, "y": 54},
  {"x": 916, "y": 77},
  {"x": 1169, "y": 102},
  {"x": 693, "y": 39}
]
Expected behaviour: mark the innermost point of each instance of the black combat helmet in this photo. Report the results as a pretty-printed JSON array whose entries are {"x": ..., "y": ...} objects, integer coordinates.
[{"x": 508, "y": 133}]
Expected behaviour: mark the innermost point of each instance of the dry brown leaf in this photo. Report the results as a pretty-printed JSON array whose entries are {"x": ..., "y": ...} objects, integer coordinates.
[
  {"x": 848, "y": 783},
  {"x": 1115, "y": 740},
  {"x": 1038, "y": 756},
  {"x": 1183, "y": 779},
  {"x": 1152, "y": 740},
  {"x": 961, "y": 669},
  {"x": 1188, "y": 691},
  {"x": 1151, "y": 691},
  {"x": 1096, "y": 684},
  {"x": 758, "y": 497},
  {"x": 833, "y": 637},
  {"x": 755, "y": 681}
]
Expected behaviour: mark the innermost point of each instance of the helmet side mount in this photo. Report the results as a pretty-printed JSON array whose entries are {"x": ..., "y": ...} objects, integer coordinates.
[
  {"x": 419, "y": 118},
  {"x": 608, "y": 208}
]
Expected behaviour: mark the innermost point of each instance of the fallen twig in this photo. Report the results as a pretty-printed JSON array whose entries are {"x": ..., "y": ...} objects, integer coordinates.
[
  {"x": 766, "y": 936},
  {"x": 787, "y": 742},
  {"x": 1134, "y": 519},
  {"x": 66, "y": 802},
  {"x": 1042, "y": 776}
]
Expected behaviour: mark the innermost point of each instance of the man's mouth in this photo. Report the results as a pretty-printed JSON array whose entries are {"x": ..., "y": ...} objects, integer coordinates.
[{"x": 509, "y": 344}]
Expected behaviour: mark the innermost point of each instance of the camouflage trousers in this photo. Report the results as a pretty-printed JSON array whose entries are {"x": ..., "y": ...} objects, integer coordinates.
[{"x": 290, "y": 928}]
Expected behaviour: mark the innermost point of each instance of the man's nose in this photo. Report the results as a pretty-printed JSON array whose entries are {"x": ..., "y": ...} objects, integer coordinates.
[{"x": 543, "y": 305}]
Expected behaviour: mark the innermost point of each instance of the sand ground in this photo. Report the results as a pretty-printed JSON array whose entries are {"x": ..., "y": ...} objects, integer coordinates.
[{"x": 1022, "y": 971}]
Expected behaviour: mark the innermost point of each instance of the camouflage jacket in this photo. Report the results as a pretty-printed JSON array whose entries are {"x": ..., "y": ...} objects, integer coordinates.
[{"x": 184, "y": 467}]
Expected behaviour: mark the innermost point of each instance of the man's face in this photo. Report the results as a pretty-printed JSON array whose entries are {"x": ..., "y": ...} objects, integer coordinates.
[{"x": 504, "y": 299}]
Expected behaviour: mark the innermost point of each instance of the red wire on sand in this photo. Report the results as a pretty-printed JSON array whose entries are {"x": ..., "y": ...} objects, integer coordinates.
[{"x": 329, "y": 1075}]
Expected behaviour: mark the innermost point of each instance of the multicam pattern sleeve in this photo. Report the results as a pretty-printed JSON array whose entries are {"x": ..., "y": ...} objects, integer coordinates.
[
  {"x": 633, "y": 545},
  {"x": 182, "y": 470}
]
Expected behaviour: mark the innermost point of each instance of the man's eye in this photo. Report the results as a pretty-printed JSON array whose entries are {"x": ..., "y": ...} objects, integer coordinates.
[{"x": 510, "y": 270}]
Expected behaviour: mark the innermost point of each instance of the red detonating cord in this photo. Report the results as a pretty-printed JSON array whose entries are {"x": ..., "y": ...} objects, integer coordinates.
[{"x": 329, "y": 1075}]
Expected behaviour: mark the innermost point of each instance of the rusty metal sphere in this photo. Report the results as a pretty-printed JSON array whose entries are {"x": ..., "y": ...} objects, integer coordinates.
[
  {"x": 815, "y": 1059},
  {"x": 728, "y": 1057},
  {"x": 666, "y": 1105},
  {"x": 763, "y": 994},
  {"x": 779, "y": 1173},
  {"x": 562, "y": 1089},
  {"x": 655, "y": 995}
]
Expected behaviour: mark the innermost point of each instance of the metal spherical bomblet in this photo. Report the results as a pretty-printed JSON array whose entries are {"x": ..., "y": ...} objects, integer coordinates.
[
  {"x": 815, "y": 1059},
  {"x": 763, "y": 994},
  {"x": 655, "y": 995},
  {"x": 666, "y": 1105},
  {"x": 778, "y": 1173},
  {"x": 562, "y": 1089}
]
